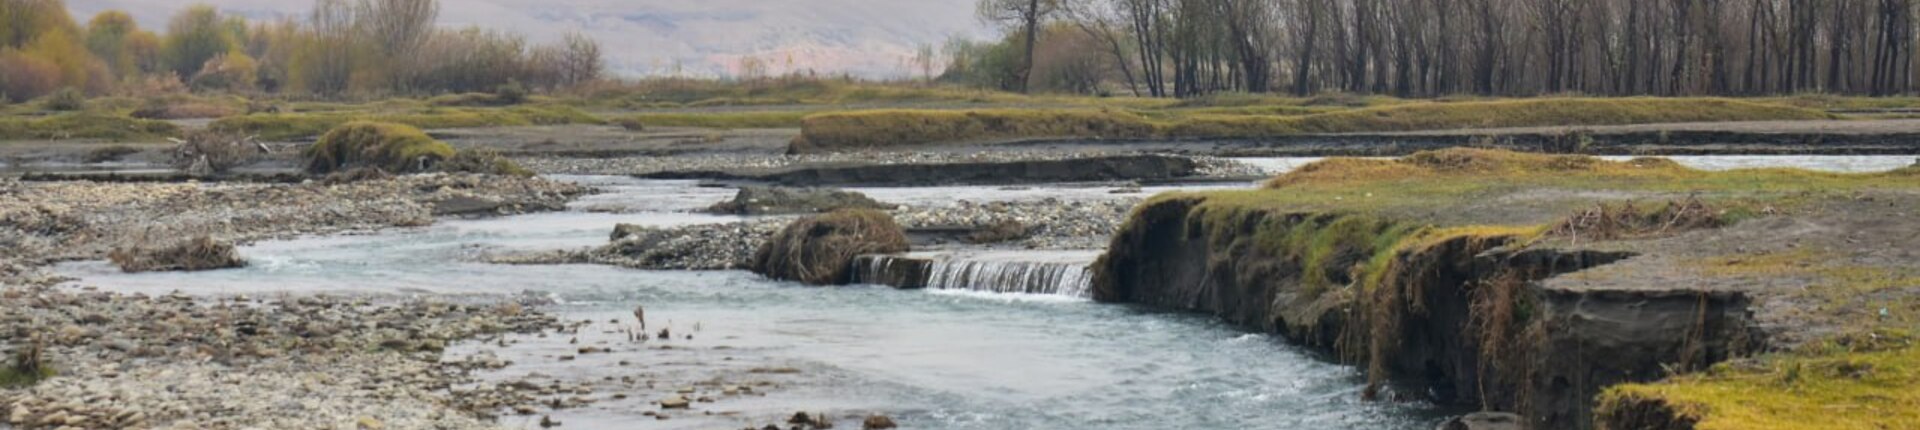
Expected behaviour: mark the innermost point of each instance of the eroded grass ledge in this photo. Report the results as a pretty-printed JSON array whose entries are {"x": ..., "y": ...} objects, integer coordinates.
[{"x": 1513, "y": 282}]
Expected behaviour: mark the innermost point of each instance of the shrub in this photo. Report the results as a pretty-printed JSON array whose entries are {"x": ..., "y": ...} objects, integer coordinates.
[
  {"x": 199, "y": 253},
  {"x": 391, "y": 147},
  {"x": 65, "y": 100},
  {"x": 25, "y": 77},
  {"x": 819, "y": 250},
  {"x": 631, "y": 124},
  {"x": 510, "y": 93}
]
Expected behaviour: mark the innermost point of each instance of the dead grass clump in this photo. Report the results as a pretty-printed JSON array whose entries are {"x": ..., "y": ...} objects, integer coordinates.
[
  {"x": 208, "y": 152},
  {"x": 1628, "y": 221},
  {"x": 199, "y": 253},
  {"x": 110, "y": 153},
  {"x": 819, "y": 250},
  {"x": 481, "y": 160},
  {"x": 27, "y": 366}
]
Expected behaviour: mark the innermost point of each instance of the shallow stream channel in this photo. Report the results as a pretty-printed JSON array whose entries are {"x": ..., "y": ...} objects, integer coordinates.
[{"x": 752, "y": 352}]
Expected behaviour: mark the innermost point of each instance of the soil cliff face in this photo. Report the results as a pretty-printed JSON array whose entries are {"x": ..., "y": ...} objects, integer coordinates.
[{"x": 1457, "y": 318}]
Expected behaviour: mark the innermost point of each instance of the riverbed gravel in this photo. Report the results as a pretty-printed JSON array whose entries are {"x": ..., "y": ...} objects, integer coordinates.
[
  {"x": 42, "y": 222},
  {"x": 173, "y": 361},
  {"x": 1052, "y": 224}
]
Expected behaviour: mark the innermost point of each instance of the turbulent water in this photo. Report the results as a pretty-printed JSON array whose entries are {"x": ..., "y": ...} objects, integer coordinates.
[
  {"x": 966, "y": 354},
  {"x": 1063, "y": 274}
]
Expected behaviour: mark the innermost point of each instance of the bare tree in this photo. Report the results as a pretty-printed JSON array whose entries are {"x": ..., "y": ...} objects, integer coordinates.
[{"x": 1027, "y": 14}]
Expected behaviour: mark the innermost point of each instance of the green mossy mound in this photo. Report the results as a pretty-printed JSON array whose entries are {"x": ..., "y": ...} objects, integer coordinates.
[
  {"x": 391, "y": 147},
  {"x": 819, "y": 250}
]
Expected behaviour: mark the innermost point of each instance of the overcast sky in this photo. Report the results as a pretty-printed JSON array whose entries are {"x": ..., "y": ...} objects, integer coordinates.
[{"x": 865, "y": 37}]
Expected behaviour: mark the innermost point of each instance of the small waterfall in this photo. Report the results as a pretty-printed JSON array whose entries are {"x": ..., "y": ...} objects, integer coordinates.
[{"x": 1063, "y": 273}]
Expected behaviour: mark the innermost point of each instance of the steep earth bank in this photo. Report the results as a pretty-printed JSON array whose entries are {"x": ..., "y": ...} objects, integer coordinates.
[{"x": 1459, "y": 318}]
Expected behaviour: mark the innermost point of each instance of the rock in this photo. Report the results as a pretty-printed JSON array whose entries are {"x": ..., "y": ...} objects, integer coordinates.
[
  {"x": 546, "y": 421},
  {"x": 877, "y": 422},
  {"x": 1485, "y": 421},
  {"x": 761, "y": 200},
  {"x": 819, "y": 250},
  {"x": 675, "y": 402},
  {"x": 369, "y": 423}
]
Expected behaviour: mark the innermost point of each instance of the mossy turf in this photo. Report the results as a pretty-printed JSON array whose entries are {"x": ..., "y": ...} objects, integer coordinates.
[
  {"x": 290, "y": 126},
  {"x": 387, "y": 146},
  {"x": 877, "y": 128},
  {"x": 1840, "y": 386},
  {"x": 86, "y": 125}
]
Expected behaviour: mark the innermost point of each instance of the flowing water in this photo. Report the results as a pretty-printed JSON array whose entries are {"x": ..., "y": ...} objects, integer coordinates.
[
  {"x": 1004, "y": 341},
  {"x": 931, "y": 359}
]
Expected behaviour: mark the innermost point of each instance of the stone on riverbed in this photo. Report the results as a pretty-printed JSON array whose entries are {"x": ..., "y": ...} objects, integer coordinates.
[
  {"x": 200, "y": 253},
  {"x": 760, "y": 200},
  {"x": 819, "y": 250}
]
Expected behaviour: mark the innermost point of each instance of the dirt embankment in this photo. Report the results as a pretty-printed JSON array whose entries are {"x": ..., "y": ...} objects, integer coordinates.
[{"x": 1462, "y": 321}]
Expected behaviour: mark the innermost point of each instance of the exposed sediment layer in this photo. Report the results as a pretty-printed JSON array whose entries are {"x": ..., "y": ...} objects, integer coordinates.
[
  {"x": 1106, "y": 168},
  {"x": 1460, "y": 319}
]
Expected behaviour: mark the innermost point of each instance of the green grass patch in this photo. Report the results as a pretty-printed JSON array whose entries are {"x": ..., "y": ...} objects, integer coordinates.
[
  {"x": 1844, "y": 385},
  {"x": 86, "y": 125},
  {"x": 289, "y": 126},
  {"x": 867, "y": 129}
]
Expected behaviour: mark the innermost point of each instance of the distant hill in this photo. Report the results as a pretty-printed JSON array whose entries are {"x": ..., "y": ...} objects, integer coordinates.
[{"x": 702, "y": 37}]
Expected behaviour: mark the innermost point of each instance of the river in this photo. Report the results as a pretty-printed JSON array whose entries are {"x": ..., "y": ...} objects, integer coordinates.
[{"x": 952, "y": 358}]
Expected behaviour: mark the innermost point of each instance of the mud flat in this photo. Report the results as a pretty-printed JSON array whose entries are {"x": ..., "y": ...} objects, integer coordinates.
[{"x": 1529, "y": 283}]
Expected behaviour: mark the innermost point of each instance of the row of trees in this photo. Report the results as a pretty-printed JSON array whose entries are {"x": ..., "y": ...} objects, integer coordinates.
[
  {"x": 341, "y": 47},
  {"x": 1424, "y": 48}
]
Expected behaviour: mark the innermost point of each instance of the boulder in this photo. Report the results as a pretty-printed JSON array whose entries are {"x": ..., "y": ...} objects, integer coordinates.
[
  {"x": 675, "y": 402},
  {"x": 1485, "y": 421},
  {"x": 761, "y": 200},
  {"x": 878, "y": 422},
  {"x": 819, "y": 250}
]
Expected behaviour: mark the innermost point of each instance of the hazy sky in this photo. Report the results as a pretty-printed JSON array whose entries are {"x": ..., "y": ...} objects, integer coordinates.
[{"x": 866, "y": 37}]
